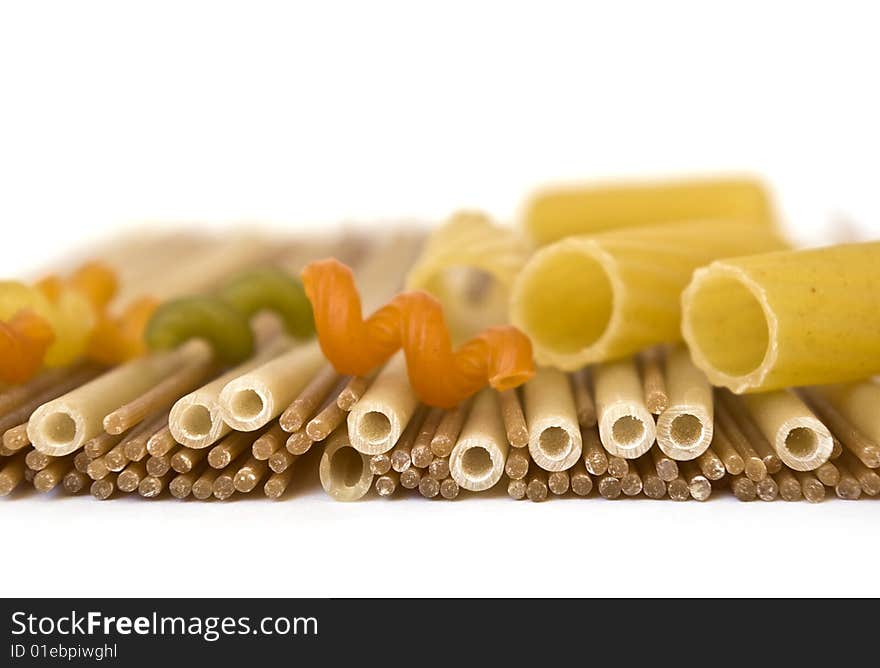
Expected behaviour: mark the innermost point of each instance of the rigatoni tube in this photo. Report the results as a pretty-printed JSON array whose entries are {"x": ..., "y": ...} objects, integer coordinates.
[
  {"x": 566, "y": 211},
  {"x": 787, "y": 318},
  {"x": 595, "y": 298}
]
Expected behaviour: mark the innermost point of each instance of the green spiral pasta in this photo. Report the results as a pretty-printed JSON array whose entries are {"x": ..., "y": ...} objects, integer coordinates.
[
  {"x": 223, "y": 319},
  {"x": 270, "y": 289}
]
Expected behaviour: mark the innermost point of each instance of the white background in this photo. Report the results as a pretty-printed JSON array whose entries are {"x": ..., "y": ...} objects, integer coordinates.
[{"x": 310, "y": 114}]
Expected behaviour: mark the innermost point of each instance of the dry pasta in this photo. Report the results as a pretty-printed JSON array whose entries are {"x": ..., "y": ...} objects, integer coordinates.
[
  {"x": 595, "y": 298},
  {"x": 469, "y": 264},
  {"x": 562, "y": 212},
  {"x": 787, "y": 318}
]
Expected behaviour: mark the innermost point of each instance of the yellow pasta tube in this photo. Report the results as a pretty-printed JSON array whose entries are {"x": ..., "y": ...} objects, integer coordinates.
[
  {"x": 596, "y": 298},
  {"x": 563, "y": 212},
  {"x": 469, "y": 264},
  {"x": 786, "y": 319}
]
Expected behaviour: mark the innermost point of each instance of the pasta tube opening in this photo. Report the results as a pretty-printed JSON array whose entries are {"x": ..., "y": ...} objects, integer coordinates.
[
  {"x": 477, "y": 461},
  {"x": 574, "y": 287},
  {"x": 729, "y": 328},
  {"x": 799, "y": 438},
  {"x": 344, "y": 472},
  {"x": 604, "y": 297},
  {"x": 58, "y": 428},
  {"x": 684, "y": 429},
  {"x": 790, "y": 318},
  {"x": 626, "y": 427}
]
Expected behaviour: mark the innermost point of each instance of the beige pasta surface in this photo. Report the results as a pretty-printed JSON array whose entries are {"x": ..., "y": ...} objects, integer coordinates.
[
  {"x": 788, "y": 318},
  {"x": 561, "y": 212},
  {"x": 469, "y": 264},
  {"x": 595, "y": 298}
]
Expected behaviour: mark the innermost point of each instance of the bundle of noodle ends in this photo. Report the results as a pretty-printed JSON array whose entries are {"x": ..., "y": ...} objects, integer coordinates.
[
  {"x": 784, "y": 319},
  {"x": 413, "y": 321}
]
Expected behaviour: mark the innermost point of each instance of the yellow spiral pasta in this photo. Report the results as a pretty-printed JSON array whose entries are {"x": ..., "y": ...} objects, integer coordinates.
[
  {"x": 69, "y": 313},
  {"x": 562, "y": 212},
  {"x": 786, "y": 319},
  {"x": 595, "y": 298},
  {"x": 469, "y": 264}
]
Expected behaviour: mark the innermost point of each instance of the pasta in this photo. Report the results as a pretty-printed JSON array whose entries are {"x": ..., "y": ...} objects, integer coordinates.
[
  {"x": 684, "y": 429},
  {"x": 414, "y": 322},
  {"x": 554, "y": 434},
  {"x": 562, "y": 212},
  {"x": 588, "y": 299},
  {"x": 377, "y": 421},
  {"x": 626, "y": 427},
  {"x": 468, "y": 264},
  {"x": 63, "y": 425},
  {"x": 195, "y": 419},
  {"x": 253, "y": 399},
  {"x": 858, "y": 403},
  {"x": 344, "y": 472},
  {"x": 802, "y": 442},
  {"x": 224, "y": 319},
  {"x": 787, "y": 318},
  {"x": 478, "y": 458},
  {"x": 50, "y": 323}
]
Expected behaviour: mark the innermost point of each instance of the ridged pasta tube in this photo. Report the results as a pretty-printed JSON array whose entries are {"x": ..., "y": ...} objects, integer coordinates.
[
  {"x": 786, "y": 319},
  {"x": 563, "y": 212},
  {"x": 596, "y": 298},
  {"x": 468, "y": 264}
]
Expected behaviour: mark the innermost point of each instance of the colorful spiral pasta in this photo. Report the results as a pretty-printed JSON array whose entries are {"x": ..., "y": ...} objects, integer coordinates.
[
  {"x": 413, "y": 321},
  {"x": 223, "y": 319},
  {"x": 469, "y": 264}
]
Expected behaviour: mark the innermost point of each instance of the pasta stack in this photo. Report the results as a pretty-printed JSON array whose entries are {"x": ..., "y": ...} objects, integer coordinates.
[{"x": 682, "y": 350}]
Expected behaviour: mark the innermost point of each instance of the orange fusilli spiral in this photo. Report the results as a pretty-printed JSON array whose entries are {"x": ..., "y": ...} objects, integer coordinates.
[{"x": 413, "y": 321}]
